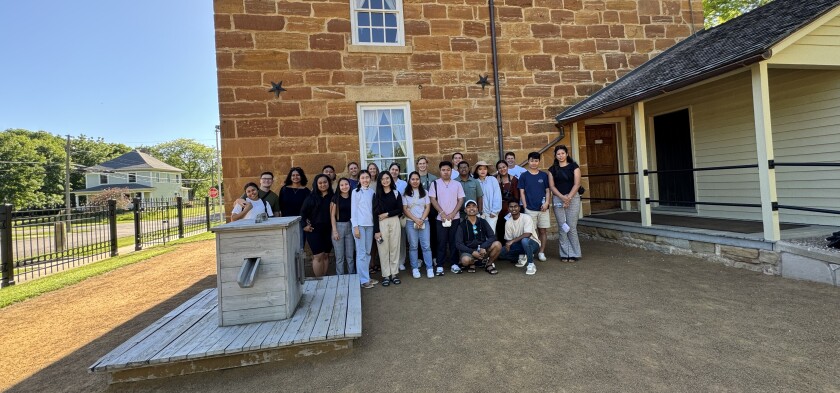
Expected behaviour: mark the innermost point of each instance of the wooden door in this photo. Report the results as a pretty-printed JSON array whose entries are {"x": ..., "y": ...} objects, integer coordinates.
[
  {"x": 602, "y": 158},
  {"x": 672, "y": 134}
]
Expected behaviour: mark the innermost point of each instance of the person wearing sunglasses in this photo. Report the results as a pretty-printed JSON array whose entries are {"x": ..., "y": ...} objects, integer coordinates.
[{"x": 476, "y": 242}]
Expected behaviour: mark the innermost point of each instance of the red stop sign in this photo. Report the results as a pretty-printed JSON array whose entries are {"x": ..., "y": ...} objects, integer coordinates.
[{"x": 214, "y": 192}]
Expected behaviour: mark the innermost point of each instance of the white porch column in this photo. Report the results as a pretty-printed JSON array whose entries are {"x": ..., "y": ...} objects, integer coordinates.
[
  {"x": 764, "y": 147},
  {"x": 642, "y": 184}
]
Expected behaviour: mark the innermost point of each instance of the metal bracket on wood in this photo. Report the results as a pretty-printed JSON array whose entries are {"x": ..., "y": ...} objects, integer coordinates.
[
  {"x": 248, "y": 272},
  {"x": 645, "y": 172},
  {"x": 771, "y": 164},
  {"x": 774, "y": 206}
]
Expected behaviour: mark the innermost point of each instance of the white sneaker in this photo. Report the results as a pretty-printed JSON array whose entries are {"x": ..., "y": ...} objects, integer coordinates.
[
  {"x": 456, "y": 269},
  {"x": 415, "y": 273},
  {"x": 541, "y": 256},
  {"x": 402, "y": 267},
  {"x": 532, "y": 269},
  {"x": 430, "y": 273},
  {"x": 523, "y": 259}
]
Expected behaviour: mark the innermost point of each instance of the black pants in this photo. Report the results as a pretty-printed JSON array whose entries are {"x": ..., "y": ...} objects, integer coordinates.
[{"x": 447, "y": 252}]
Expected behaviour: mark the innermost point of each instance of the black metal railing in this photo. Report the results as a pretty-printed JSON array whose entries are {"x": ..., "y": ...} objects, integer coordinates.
[
  {"x": 40, "y": 242},
  {"x": 159, "y": 221},
  {"x": 774, "y": 164}
]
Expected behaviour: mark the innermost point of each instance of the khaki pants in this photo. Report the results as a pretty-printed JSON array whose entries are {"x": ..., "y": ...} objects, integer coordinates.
[{"x": 390, "y": 247}]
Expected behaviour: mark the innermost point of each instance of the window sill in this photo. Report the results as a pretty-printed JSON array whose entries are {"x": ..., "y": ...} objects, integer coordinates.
[{"x": 380, "y": 49}]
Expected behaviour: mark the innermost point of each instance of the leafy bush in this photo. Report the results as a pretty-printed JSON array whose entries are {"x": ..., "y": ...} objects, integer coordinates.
[{"x": 117, "y": 194}]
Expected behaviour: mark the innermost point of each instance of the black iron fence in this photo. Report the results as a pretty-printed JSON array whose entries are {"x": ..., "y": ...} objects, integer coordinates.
[
  {"x": 36, "y": 243},
  {"x": 159, "y": 221}
]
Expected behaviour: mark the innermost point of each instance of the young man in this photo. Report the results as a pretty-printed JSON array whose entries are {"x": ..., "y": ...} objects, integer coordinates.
[
  {"x": 476, "y": 241},
  {"x": 329, "y": 170},
  {"x": 536, "y": 196},
  {"x": 472, "y": 187},
  {"x": 457, "y": 157},
  {"x": 513, "y": 169},
  {"x": 447, "y": 196},
  {"x": 265, "y": 193},
  {"x": 353, "y": 172},
  {"x": 520, "y": 239}
]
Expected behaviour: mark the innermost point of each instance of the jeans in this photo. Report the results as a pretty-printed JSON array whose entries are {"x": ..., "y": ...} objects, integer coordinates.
[
  {"x": 569, "y": 242},
  {"x": 525, "y": 246},
  {"x": 363, "y": 246},
  {"x": 344, "y": 247},
  {"x": 421, "y": 237},
  {"x": 446, "y": 243}
]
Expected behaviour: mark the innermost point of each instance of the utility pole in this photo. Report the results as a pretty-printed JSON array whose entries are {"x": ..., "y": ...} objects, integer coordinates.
[
  {"x": 67, "y": 182},
  {"x": 219, "y": 168}
]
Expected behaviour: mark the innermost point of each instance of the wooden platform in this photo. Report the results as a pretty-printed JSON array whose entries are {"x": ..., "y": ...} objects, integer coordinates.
[{"x": 189, "y": 340}]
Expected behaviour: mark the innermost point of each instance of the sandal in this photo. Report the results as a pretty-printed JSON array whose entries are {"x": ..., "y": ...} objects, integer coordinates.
[
  {"x": 491, "y": 268},
  {"x": 396, "y": 280},
  {"x": 386, "y": 282},
  {"x": 471, "y": 269}
]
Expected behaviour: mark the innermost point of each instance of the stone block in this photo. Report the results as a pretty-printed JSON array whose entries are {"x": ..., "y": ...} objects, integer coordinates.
[
  {"x": 327, "y": 41},
  {"x": 804, "y": 268},
  {"x": 281, "y": 40},
  {"x": 315, "y": 60},
  {"x": 748, "y": 255},
  {"x": 260, "y": 7},
  {"x": 261, "y": 60},
  {"x": 295, "y": 8},
  {"x": 259, "y": 22},
  {"x": 702, "y": 247},
  {"x": 609, "y": 234},
  {"x": 425, "y": 61},
  {"x": 769, "y": 257},
  {"x": 338, "y": 26},
  {"x": 642, "y": 236},
  {"x": 256, "y": 128},
  {"x": 538, "y": 62},
  {"x": 233, "y": 39},
  {"x": 679, "y": 243},
  {"x": 242, "y": 109}
]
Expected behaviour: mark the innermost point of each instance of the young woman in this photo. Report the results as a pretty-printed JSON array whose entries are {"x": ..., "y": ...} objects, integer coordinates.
[
  {"x": 387, "y": 209},
  {"x": 509, "y": 189},
  {"x": 361, "y": 218},
  {"x": 315, "y": 218},
  {"x": 492, "y": 199},
  {"x": 292, "y": 195},
  {"x": 252, "y": 206},
  {"x": 426, "y": 180},
  {"x": 373, "y": 170},
  {"x": 564, "y": 183},
  {"x": 342, "y": 234},
  {"x": 416, "y": 206},
  {"x": 400, "y": 185}
]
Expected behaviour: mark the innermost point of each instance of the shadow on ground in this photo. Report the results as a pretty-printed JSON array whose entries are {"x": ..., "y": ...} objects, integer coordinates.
[{"x": 623, "y": 319}]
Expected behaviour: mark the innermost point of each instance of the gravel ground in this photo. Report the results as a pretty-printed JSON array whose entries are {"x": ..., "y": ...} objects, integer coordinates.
[{"x": 623, "y": 319}]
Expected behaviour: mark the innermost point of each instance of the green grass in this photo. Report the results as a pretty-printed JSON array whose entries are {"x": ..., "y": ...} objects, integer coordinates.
[{"x": 27, "y": 290}]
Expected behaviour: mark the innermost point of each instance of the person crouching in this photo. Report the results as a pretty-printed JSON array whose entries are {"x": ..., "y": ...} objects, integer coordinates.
[{"x": 476, "y": 241}]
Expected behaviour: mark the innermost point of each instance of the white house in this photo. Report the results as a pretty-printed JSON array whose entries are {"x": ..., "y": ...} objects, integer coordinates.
[{"x": 146, "y": 177}]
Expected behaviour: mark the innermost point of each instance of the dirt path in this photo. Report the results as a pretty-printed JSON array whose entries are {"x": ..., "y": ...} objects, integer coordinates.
[
  {"x": 49, "y": 341},
  {"x": 623, "y": 319}
]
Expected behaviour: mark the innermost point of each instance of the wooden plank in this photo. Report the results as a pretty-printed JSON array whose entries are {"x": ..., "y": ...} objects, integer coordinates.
[
  {"x": 203, "y": 334},
  {"x": 265, "y": 314},
  {"x": 137, "y": 338},
  {"x": 232, "y": 288},
  {"x": 161, "y": 337},
  {"x": 312, "y": 314},
  {"x": 255, "y": 300},
  {"x": 339, "y": 313},
  {"x": 309, "y": 290},
  {"x": 195, "y": 333},
  {"x": 259, "y": 336},
  {"x": 230, "y": 333},
  {"x": 273, "y": 338},
  {"x": 322, "y": 321},
  {"x": 238, "y": 344},
  {"x": 354, "y": 308}
]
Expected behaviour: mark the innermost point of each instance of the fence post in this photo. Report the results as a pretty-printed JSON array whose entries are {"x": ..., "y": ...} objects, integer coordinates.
[
  {"x": 112, "y": 226},
  {"x": 6, "y": 244},
  {"x": 179, "y": 203},
  {"x": 138, "y": 237},
  {"x": 207, "y": 211}
]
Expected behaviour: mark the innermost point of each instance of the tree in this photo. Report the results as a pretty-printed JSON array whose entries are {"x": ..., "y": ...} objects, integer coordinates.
[
  {"x": 196, "y": 159},
  {"x": 720, "y": 11},
  {"x": 22, "y": 171}
]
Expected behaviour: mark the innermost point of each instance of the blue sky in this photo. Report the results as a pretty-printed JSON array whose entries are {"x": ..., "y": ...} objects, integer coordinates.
[{"x": 134, "y": 72}]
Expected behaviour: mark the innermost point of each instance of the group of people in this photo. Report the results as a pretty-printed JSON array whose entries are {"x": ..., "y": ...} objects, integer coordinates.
[{"x": 474, "y": 217}]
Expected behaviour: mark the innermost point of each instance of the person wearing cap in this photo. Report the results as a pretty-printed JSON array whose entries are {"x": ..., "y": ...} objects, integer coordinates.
[
  {"x": 471, "y": 186},
  {"x": 476, "y": 242},
  {"x": 520, "y": 239},
  {"x": 492, "y": 198}
]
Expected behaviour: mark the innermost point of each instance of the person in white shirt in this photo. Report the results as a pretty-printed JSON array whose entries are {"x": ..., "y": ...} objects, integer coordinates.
[
  {"x": 513, "y": 169},
  {"x": 457, "y": 157},
  {"x": 361, "y": 218},
  {"x": 492, "y": 199},
  {"x": 252, "y": 206},
  {"x": 520, "y": 238}
]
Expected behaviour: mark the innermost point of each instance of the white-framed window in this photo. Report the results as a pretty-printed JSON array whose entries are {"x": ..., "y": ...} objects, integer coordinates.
[
  {"x": 385, "y": 135},
  {"x": 377, "y": 22},
  {"x": 157, "y": 177},
  {"x": 103, "y": 179},
  {"x": 132, "y": 178}
]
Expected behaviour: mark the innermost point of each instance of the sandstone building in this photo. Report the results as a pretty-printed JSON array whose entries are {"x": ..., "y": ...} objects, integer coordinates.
[{"x": 390, "y": 80}]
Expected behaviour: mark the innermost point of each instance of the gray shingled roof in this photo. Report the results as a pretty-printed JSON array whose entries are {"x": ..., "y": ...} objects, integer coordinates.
[
  {"x": 134, "y": 160},
  {"x": 737, "y": 43}
]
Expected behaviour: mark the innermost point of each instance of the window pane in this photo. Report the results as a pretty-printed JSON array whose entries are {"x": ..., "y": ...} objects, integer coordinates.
[
  {"x": 399, "y": 133},
  {"x": 387, "y": 150},
  {"x": 384, "y": 117},
  {"x": 364, "y": 35},
  {"x": 397, "y": 117},
  {"x": 364, "y": 18},
  {"x": 391, "y": 20},
  {"x": 376, "y": 4},
  {"x": 373, "y": 150},
  {"x": 391, "y": 35},
  {"x": 385, "y": 134},
  {"x": 371, "y": 134},
  {"x": 377, "y": 19},
  {"x": 366, "y": 4}
]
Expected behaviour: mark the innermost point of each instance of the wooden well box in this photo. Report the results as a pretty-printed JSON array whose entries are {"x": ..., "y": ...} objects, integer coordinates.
[{"x": 277, "y": 283}]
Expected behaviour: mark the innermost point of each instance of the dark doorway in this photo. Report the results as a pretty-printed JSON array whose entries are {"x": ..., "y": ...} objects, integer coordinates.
[
  {"x": 602, "y": 158},
  {"x": 672, "y": 135}
]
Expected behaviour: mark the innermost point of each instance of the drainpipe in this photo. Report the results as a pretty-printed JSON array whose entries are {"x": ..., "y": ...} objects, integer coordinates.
[{"x": 496, "y": 79}]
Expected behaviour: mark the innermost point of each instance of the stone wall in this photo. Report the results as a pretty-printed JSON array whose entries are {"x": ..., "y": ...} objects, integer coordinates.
[{"x": 552, "y": 54}]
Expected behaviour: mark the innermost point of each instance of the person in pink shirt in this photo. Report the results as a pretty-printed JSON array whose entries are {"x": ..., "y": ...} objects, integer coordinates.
[{"x": 447, "y": 196}]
